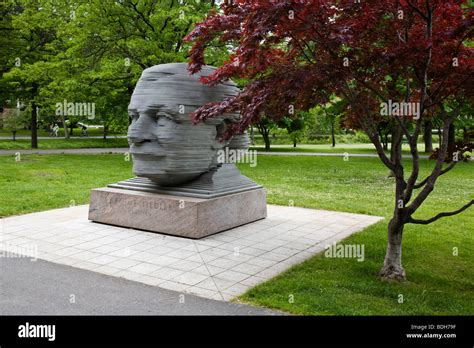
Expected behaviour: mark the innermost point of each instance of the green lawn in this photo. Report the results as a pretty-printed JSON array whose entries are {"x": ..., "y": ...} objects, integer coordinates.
[
  {"x": 26, "y": 132},
  {"x": 41, "y": 182},
  {"x": 439, "y": 283},
  {"x": 60, "y": 143}
]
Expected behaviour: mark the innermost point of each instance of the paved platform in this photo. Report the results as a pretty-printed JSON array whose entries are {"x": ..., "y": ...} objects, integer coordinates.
[{"x": 220, "y": 267}]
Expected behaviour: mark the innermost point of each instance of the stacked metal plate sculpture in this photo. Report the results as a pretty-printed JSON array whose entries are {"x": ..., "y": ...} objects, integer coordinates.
[{"x": 176, "y": 162}]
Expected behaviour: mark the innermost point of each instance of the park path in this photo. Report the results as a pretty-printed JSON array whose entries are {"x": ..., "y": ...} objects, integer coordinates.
[
  {"x": 45, "y": 288},
  {"x": 327, "y": 154},
  {"x": 67, "y": 151},
  {"x": 121, "y": 150}
]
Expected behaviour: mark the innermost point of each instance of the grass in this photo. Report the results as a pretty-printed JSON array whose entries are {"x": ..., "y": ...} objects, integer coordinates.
[
  {"x": 60, "y": 143},
  {"x": 42, "y": 182},
  {"x": 439, "y": 282}
]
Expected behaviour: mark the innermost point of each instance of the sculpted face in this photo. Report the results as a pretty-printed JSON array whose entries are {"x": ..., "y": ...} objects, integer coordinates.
[{"x": 166, "y": 147}]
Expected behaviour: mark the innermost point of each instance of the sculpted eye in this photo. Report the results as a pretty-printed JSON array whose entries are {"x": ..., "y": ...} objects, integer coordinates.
[
  {"x": 164, "y": 119},
  {"x": 133, "y": 116},
  {"x": 161, "y": 120}
]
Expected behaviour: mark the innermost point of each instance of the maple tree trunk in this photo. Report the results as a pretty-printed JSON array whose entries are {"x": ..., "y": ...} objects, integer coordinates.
[
  {"x": 396, "y": 144},
  {"x": 428, "y": 136},
  {"x": 392, "y": 268},
  {"x": 395, "y": 147},
  {"x": 266, "y": 139},
  {"x": 451, "y": 140},
  {"x": 384, "y": 139}
]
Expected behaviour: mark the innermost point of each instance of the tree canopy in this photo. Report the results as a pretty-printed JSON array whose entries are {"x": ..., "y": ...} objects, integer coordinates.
[{"x": 92, "y": 51}]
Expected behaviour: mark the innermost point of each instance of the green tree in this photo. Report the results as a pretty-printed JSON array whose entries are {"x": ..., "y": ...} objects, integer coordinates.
[
  {"x": 13, "y": 120},
  {"x": 294, "y": 126},
  {"x": 113, "y": 41},
  {"x": 8, "y": 44},
  {"x": 35, "y": 24},
  {"x": 264, "y": 127},
  {"x": 93, "y": 51},
  {"x": 334, "y": 111}
]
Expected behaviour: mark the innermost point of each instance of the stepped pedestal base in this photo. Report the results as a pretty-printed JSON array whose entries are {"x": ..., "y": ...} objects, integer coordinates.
[{"x": 178, "y": 215}]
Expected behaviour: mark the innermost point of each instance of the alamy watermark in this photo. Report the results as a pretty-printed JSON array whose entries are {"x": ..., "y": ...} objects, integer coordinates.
[
  {"x": 18, "y": 251},
  {"x": 345, "y": 251},
  {"x": 66, "y": 108},
  {"x": 403, "y": 109},
  {"x": 237, "y": 156},
  {"x": 28, "y": 330}
]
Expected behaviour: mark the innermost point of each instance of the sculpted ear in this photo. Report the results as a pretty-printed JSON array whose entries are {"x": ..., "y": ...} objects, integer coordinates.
[
  {"x": 240, "y": 142},
  {"x": 221, "y": 129}
]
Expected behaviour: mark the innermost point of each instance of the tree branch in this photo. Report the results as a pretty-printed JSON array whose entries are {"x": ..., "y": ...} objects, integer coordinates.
[
  {"x": 413, "y": 141},
  {"x": 417, "y": 10},
  {"x": 447, "y": 169},
  {"x": 145, "y": 20},
  {"x": 429, "y": 186},
  {"x": 369, "y": 129},
  {"x": 439, "y": 216}
]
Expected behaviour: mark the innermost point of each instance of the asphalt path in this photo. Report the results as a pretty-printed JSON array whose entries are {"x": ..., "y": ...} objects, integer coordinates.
[
  {"x": 122, "y": 150},
  {"x": 45, "y": 288}
]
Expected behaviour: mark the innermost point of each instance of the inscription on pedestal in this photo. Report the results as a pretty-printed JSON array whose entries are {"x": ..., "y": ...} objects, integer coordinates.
[{"x": 179, "y": 216}]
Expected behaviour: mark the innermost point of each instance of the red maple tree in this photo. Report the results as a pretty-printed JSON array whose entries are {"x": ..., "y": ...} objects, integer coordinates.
[{"x": 297, "y": 53}]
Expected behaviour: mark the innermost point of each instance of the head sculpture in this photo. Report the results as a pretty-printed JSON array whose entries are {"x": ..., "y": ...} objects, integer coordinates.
[{"x": 166, "y": 146}]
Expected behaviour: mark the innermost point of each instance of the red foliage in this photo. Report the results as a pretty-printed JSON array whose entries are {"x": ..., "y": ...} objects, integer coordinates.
[{"x": 292, "y": 52}]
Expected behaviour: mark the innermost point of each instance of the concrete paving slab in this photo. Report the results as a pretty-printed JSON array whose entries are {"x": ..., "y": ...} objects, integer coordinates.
[{"x": 220, "y": 266}]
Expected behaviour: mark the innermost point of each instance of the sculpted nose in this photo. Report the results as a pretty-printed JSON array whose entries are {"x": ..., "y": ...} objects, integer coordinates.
[{"x": 142, "y": 129}]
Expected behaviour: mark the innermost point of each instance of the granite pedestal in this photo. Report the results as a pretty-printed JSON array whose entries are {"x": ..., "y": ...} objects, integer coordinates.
[{"x": 176, "y": 215}]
